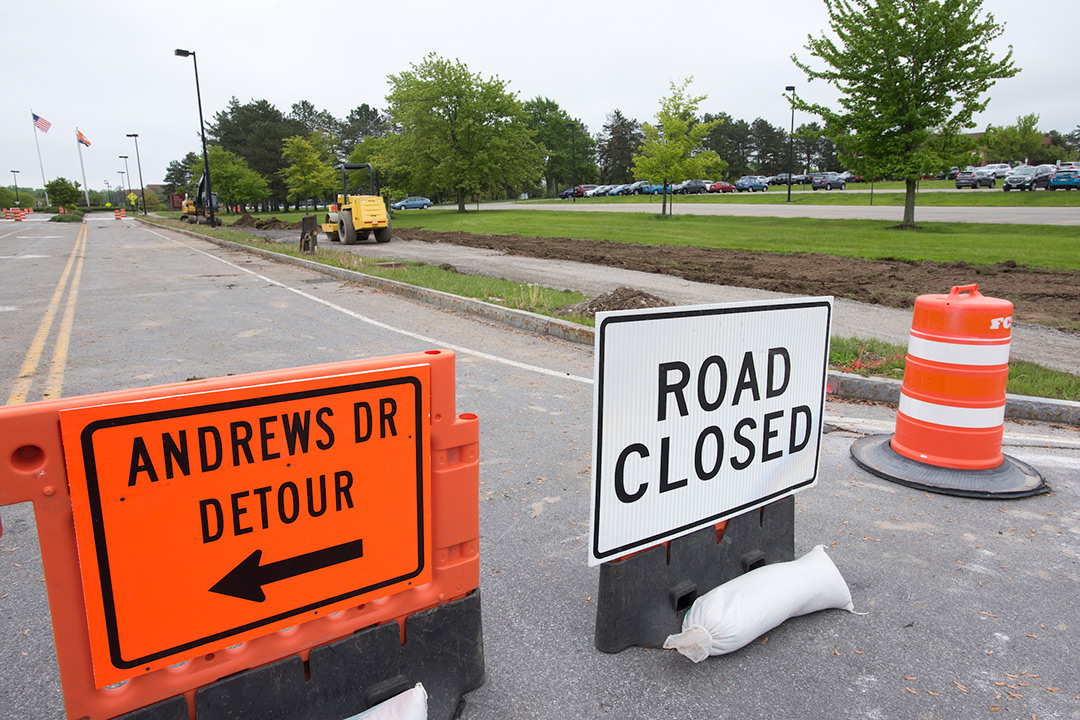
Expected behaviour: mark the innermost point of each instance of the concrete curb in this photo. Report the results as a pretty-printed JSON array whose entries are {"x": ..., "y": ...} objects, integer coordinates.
[{"x": 841, "y": 385}]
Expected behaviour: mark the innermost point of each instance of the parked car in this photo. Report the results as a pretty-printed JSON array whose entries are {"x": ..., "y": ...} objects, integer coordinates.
[
  {"x": 656, "y": 189},
  {"x": 974, "y": 179},
  {"x": 580, "y": 190},
  {"x": 694, "y": 187},
  {"x": 1065, "y": 179},
  {"x": 953, "y": 171},
  {"x": 721, "y": 187},
  {"x": 618, "y": 189},
  {"x": 411, "y": 203},
  {"x": 1029, "y": 177},
  {"x": 828, "y": 180},
  {"x": 751, "y": 183},
  {"x": 636, "y": 188},
  {"x": 565, "y": 194},
  {"x": 997, "y": 170}
]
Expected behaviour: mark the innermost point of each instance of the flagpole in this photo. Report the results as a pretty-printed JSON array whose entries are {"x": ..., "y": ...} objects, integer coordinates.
[
  {"x": 41, "y": 164},
  {"x": 86, "y": 192}
]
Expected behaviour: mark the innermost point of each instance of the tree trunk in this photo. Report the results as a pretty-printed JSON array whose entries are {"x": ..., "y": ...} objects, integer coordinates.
[
  {"x": 909, "y": 206},
  {"x": 461, "y": 201},
  {"x": 663, "y": 207}
]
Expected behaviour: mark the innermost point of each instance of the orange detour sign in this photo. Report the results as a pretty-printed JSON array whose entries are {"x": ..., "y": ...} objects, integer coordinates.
[{"x": 205, "y": 519}]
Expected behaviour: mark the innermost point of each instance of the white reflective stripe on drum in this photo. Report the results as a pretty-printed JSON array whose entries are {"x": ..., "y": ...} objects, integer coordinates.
[
  {"x": 958, "y": 354},
  {"x": 950, "y": 416}
]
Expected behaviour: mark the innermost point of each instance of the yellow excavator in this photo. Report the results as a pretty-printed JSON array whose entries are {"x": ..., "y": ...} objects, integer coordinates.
[
  {"x": 196, "y": 209},
  {"x": 358, "y": 217}
]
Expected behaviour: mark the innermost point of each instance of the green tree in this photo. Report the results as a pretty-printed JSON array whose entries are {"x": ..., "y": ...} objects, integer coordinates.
[
  {"x": 459, "y": 133},
  {"x": 63, "y": 192},
  {"x": 178, "y": 172},
  {"x": 618, "y": 143},
  {"x": 362, "y": 122},
  {"x": 770, "y": 147},
  {"x": 309, "y": 175},
  {"x": 569, "y": 151},
  {"x": 905, "y": 70},
  {"x": 674, "y": 148},
  {"x": 731, "y": 140},
  {"x": 1009, "y": 143},
  {"x": 255, "y": 132},
  {"x": 231, "y": 179}
]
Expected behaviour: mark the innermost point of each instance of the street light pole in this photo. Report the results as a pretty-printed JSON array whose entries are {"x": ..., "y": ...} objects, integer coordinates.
[
  {"x": 15, "y": 174},
  {"x": 142, "y": 188},
  {"x": 791, "y": 143},
  {"x": 108, "y": 190},
  {"x": 202, "y": 131},
  {"x": 573, "y": 162},
  {"x": 120, "y": 191},
  {"x": 128, "y": 171}
]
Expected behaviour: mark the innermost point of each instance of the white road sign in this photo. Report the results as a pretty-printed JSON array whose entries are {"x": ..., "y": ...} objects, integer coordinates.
[{"x": 702, "y": 413}]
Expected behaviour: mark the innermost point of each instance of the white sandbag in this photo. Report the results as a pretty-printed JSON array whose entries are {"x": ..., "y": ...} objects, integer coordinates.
[
  {"x": 730, "y": 616},
  {"x": 409, "y": 705}
]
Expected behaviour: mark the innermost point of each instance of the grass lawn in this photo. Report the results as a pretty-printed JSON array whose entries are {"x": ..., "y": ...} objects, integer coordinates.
[
  {"x": 865, "y": 357},
  {"x": 1034, "y": 245},
  {"x": 800, "y": 195}
]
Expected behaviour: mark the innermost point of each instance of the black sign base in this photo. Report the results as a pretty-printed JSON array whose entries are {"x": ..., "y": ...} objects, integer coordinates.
[
  {"x": 642, "y": 599},
  {"x": 444, "y": 650}
]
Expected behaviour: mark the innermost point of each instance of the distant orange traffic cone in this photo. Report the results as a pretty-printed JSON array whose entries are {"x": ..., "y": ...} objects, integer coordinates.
[{"x": 950, "y": 422}]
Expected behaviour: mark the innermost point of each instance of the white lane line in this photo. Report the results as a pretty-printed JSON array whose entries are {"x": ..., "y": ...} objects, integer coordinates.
[{"x": 384, "y": 326}]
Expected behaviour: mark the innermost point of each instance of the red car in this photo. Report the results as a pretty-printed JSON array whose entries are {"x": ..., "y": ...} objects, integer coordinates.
[{"x": 721, "y": 187}]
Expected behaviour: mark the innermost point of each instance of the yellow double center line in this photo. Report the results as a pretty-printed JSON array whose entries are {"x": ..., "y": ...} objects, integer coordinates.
[{"x": 55, "y": 379}]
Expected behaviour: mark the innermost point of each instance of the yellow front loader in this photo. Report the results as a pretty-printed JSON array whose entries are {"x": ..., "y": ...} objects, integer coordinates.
[{"x": 358, "y": 217}]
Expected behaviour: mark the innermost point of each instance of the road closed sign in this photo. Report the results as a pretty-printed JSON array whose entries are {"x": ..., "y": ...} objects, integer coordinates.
[
  {"x": 702, "y": 413},
  {"x": 206, "y": 519}
]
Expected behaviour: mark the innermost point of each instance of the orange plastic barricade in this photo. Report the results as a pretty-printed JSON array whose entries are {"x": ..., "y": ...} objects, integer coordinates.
[
  {"x": 7, "y": 213},
  {"x": 18, "y": 216},
  {"x": 950, "y": 422},
  {"x": 195, "y": 530}
]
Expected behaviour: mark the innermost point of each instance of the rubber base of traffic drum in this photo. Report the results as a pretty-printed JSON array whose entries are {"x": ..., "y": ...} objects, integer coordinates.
[{"x": 1012, "y": 479}]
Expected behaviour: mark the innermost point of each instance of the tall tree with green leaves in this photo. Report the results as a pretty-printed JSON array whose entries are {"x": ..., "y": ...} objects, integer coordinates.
[
  {"x": 674, "y": 147},
  {"x": 362, "y": 122},
  {"x": 309, "y": 175},
  {"x": 1008, "y": 143},
  {"x": 233, "y": 181},
  {"x": 904, "y": 70},
  {"x": 569, "y": 151},
  {"x": 62, "y": 192},
  {"x": 458, "y": 132},
  {"x": 255, "y": 131},
  {"x": 731, "y": 140},
  {"x": 770, "y": 147},
  {"x": 618, "y": 143},
  {"x": 178, "y": 172}
]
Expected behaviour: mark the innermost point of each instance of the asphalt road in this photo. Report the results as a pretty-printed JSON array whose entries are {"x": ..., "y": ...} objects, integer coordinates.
[
  {"x": 997, "y": 215},
  {"x": 971, "y": 606}
]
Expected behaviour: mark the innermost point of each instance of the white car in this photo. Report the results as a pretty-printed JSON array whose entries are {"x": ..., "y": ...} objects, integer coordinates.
[{"x": 997, "y": 170}]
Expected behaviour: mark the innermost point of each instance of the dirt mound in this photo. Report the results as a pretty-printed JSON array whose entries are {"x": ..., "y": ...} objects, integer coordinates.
[
  {"x": 622, "y": 298},
  {"x": 275, "y": 224},
  {"x": 245, "y": 221},
  {"x": 1048, "y": 297}
]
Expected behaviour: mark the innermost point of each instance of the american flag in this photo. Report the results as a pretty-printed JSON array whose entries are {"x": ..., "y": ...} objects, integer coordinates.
[{"x": 41, "y": 123}]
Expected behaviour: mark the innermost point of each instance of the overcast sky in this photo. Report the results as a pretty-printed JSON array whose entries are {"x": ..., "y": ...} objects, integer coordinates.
[{"x": 109, "y": 68}]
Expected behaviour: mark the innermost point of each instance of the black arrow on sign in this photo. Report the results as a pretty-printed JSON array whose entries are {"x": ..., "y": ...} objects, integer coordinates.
[{"x": 246, "y": 580}]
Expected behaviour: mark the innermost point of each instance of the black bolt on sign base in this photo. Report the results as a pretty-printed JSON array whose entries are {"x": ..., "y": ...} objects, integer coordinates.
[
  {"x": 642, "y": 599},
  {"x": 444, "y": 650},
  {"x": 1012, "y": 479}
]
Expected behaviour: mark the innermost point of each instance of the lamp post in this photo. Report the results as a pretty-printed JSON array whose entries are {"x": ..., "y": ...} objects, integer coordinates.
[
  {"x": 15, "y": 174},
  {"x": 142, "y": 188},
  {"x": 120, "y": 190},
  {"x": 573, "y": 162},
  {"x": 127, "y": 170},
  {"x": 202, "y": 131},
  {"x": 108, "y": 190},
  {"x": 791, "y": 142}
]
